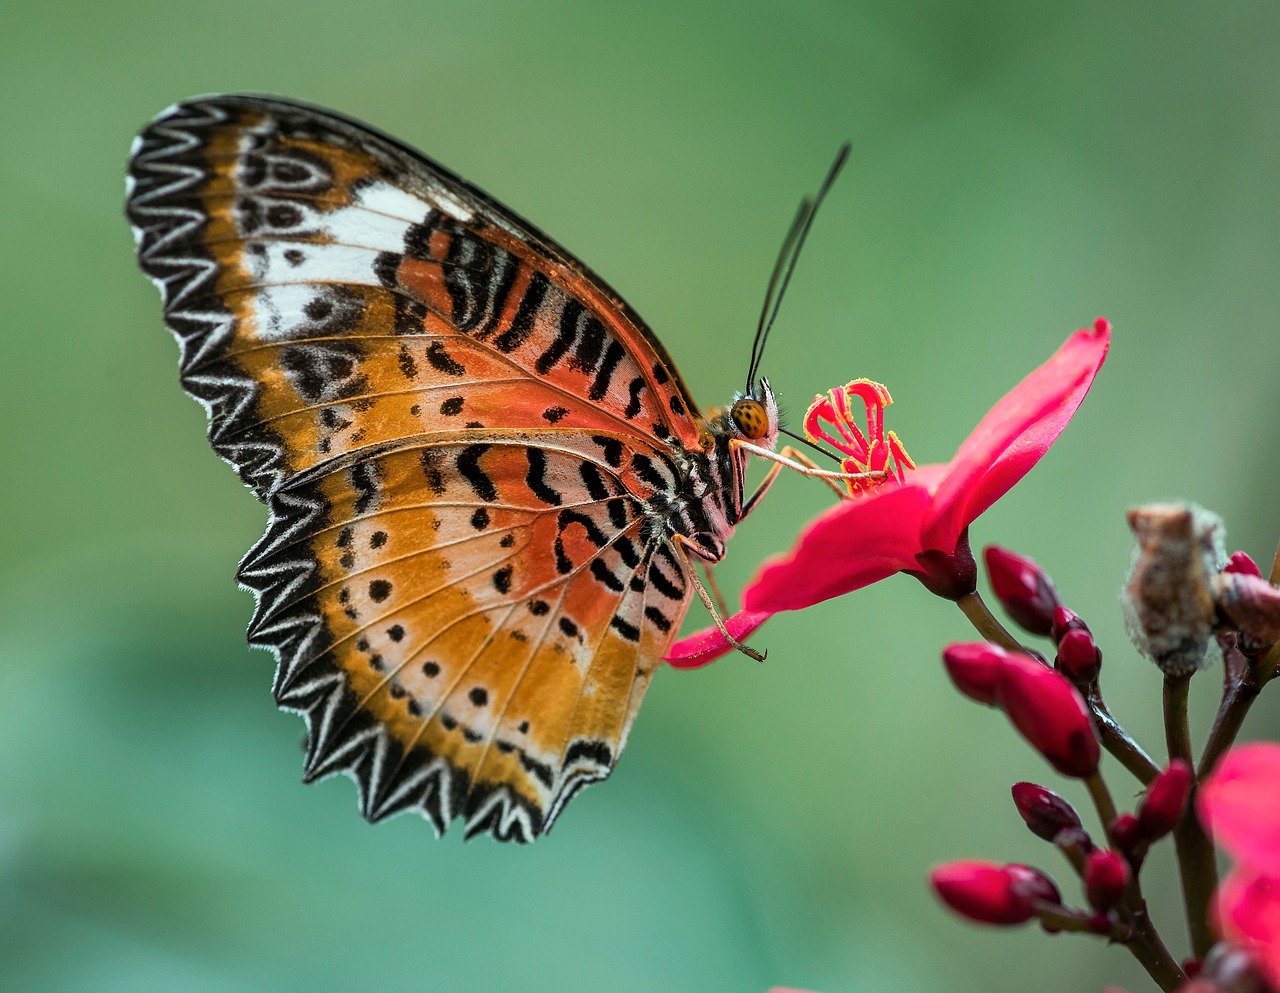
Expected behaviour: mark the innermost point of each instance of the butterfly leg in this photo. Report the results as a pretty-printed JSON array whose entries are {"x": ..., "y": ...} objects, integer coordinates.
[
  {"x": 793, "y": 459},
  {"x": 714, "y": 587},
  {"x": 794, "y": 455},
  {"x": 681, "y": 542}
]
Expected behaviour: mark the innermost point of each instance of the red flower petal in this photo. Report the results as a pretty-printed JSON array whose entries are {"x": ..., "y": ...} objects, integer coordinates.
[
  {"x": 709, "y": 644},
  {"x": 1247, "y": 908},
  {"x": 854, "y": 544},
  {"x": 1014, "y": 435},
  {"x": 1240, "y": 804}
]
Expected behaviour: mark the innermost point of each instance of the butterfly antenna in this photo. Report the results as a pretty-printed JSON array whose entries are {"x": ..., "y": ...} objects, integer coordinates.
[
  {"x": 792, "y": 233},
  {"x": 791, "y": 250},
  {"x": 805, "y": 441}
]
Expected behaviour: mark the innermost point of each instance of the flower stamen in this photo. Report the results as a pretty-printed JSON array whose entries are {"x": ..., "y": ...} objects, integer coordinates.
[{"x": 832, "y": 419}]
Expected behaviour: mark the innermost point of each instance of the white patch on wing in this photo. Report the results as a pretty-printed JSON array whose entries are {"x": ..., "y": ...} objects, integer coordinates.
[
  {"x": 391, "y": 200},
  {"x": 368, "y": 229},
  {"x": 280, "y": 310},
  {"x": 451, "y": 205},
  {"x": 314, "y": 262}
]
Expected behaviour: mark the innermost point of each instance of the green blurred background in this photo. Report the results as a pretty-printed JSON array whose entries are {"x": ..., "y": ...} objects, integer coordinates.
[{"x": 1017, "y": 169}]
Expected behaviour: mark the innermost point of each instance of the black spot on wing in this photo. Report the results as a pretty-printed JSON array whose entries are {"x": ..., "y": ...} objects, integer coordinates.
[
  {"x": 605, "y": 575},
  {"x": 537, "y": 477},
  {"x": 523, "y": 323},
  {"x": 469, "y": 468},
  {"x": 433, "y": 470},
  {"x": 634, "y": 389},
  {"x": 612, "y": 449},
  {"x": 627, "y": 630},
  {"x": 566, "y": 334},
  {"x": 442, "y": 361},
  {"x": 589, "y": 346},
  {"x": 659, "y": 619},
  {"x": 364, "y": 480},
  {"x": 593, "y": 480},
  {"x": 612, "y": 356},
  {"x": 643, "y": 467}
]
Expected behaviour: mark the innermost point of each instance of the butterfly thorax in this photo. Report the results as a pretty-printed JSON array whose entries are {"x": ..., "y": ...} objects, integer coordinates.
[{"x": 707, "y": 502}]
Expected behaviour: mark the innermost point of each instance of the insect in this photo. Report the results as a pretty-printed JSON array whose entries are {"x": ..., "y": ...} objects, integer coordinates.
[{"x": 488, "y": 486}]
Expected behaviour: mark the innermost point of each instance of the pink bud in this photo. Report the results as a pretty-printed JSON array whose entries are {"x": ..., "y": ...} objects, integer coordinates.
[
  {"x": 1045, "y": 812},
  {"x": 1106, "y": 875},
  {"x": 1065, "y": 620},
  {"x": 1161, "y": 809},
  {"x": 973, "y": 667},
  {"x": 1242, "y": 563},
  {"x": 1126, "y": 835},
  {"x": 1073, "y": 839},
  {"x": 1049, "y": 712},
  {"x": 1023, "y": 588},
  {"x": 988, "y": 893},
  {"x": 1033, "y": 883},
  {"x": 1078, "y": 657}
]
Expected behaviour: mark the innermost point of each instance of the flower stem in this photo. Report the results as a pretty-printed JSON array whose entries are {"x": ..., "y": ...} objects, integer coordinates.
[
  {"x": 1239, "y": 691},
  {"x": 980, "y": 616},
  {"x": 1116, "y": 740},
  {"x": 1196, "y": 863},
  {"x": 1151, "y": 952},
  {"x": 1102, "y": 802}
]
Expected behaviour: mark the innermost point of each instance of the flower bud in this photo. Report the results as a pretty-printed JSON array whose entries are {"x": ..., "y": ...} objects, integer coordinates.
[
  {"x": 1161, "y": 809},
  {"x": 1251, "y": 603},
  {"x": 1044, "y": 811},
  {"x": 1079, "y": 658},
  {"x": 973, "y": 667},
  {"x": 1065, "y": 620},
  {"x": 1168, "y": 604},
  {"x": 1033, "y": 883},
  {"x": 1074, "y": 842},
  {"x": 991, "y": 894},
  {"x": 1242, "y": 563},
  {"x": 1126, "y": 835},
  {"x": 1048, "y": 711},
  {"x": 1106, "y": 875},
  {"x": 1023, "y": 588}
]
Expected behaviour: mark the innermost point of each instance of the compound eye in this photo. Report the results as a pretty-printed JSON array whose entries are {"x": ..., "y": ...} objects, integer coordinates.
[{"x": 750, "y": 417}]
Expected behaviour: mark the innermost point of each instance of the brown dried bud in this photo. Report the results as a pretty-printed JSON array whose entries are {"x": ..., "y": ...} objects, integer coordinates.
[{"x": 1168, "y": 601}]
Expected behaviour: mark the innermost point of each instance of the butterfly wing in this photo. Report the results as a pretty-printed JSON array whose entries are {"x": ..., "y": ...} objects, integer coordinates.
[{"x": 457, "y": 428}]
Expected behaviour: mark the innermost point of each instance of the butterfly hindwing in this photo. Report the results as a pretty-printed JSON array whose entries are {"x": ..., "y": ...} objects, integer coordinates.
[{"x": 456, "y": 427}]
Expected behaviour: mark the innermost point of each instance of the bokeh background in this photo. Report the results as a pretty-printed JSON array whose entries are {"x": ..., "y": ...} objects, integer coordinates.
[{"x": 1017, "y": 169}]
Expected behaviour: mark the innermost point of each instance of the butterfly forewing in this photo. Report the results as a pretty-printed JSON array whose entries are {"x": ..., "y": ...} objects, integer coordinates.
[{"x": 456, "y": 427}]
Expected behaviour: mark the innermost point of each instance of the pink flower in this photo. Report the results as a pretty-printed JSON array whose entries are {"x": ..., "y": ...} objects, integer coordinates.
[
  {"x": 1240, "y": 805},
  {"x": 917, "y": 523}
]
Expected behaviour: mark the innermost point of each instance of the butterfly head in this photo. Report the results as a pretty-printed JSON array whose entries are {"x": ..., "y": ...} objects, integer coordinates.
[{"x": 754, "y": 414}]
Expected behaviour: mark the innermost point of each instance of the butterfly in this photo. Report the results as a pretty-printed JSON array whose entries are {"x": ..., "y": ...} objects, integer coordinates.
[{"x": 487, "y": 483}]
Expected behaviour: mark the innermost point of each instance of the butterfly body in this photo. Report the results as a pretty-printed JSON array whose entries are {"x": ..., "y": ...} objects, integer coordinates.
[{"x": 485, "y": 477}]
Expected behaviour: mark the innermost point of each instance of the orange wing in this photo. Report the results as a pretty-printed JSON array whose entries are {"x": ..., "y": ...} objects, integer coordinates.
[{"x": 457, "y": 428}]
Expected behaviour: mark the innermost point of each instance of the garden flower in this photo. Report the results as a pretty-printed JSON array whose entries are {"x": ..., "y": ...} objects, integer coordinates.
[
  {"x": 1240, "y": 805},
  {"x": 916, "y": 523}
]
